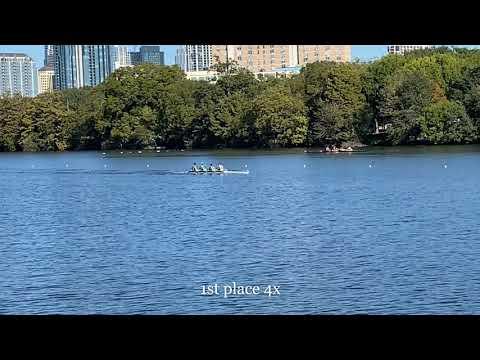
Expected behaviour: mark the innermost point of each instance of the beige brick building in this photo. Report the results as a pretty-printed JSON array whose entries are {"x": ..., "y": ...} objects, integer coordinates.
[
  {"x": 313, "y": 53},
  {"x": 264, "y": 58},
  {"x": 257, "y": 58},
  {"x": 45, "y": 79}
]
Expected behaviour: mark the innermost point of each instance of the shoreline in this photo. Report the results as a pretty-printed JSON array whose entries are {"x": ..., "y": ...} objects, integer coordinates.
[{"x": 307, "y": 150}]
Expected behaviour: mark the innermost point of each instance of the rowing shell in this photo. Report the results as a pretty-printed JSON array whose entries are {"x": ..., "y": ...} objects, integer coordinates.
[{"x": 246, "y": 172}]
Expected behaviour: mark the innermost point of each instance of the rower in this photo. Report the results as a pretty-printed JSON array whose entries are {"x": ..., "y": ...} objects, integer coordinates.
[
  {"x": 202, "y": 167},
  {"x": 195, "y": 167},
  {"x": 220, "y": 167},
  {"x": 212, "y": 168}
]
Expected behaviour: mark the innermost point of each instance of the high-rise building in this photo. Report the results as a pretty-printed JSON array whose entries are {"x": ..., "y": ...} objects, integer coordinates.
[
  {"x": 17, "y": 75},
  {"x": 120, "y": 56},
  {"x": 77, "y": 66},
  {"x": 45, "y": 79},
  {"x": 194, "y": 57},
  {"x": 265, "y": 58},
  {"x": 49, "y": 58},
  {"x": 180, "y": 57},
  {"x": 151, "y": 54},
  {"x": 402, "y": 49},
  {"x": 257, "y": 58},
  {"x": 313, "y": 53},
  {"x": 148, "y": 54},
  {"x": 135, "y": 58}
]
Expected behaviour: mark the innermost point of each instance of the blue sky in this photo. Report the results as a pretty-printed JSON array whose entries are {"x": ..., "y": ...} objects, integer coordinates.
[{"x": 363, "y": 52}]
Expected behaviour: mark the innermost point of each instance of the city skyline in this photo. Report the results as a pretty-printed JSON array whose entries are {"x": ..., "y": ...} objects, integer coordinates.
[{"x": 36, "y": 52}]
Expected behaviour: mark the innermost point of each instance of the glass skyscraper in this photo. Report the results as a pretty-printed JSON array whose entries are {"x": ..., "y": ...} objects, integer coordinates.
[
  {"x": 18, "y": 75},
  {"x": 148, "y": 54},
  {"x": 77, "y": 66},
  {"x": 135, "y": 58},
  {"x": 152, "y": 55},
  {"x": 49, "y": 58},
  {"x": 120, "y": 56}
]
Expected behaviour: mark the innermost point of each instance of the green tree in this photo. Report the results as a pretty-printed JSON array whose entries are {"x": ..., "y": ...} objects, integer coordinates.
[
  {"x": 136, "y": 105},
  {"x": 335, "y": 101},
  {"x": 11, "y": 110},
  {"x": 446, "y": 122},
  {"x": 404, "y": 99},
  {"x": 280, "y": 118}
]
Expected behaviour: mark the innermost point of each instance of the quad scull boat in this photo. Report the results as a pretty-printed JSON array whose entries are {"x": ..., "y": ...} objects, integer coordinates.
[{"x": 225, "y": 171}]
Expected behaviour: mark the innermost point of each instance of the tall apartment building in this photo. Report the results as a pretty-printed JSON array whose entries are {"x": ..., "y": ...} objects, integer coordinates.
[
  {"x": 120, "y": 56},
  {"x": 49, "y": 57},
  {"x": 148, "y": 54},
  {"x": 45, "y": 79},
  {"x": 77, "y": 66},
  {"x": 313, "y": 53},
  {"x": 17, "y": 75},
  {"x": 259, "y": 58},
  {"x": 402, "y": 49},
  {"x": 194, "y": 57}
]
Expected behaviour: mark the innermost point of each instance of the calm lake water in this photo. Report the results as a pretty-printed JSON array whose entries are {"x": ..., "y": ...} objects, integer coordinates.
[{"x": 388, "y": 230}]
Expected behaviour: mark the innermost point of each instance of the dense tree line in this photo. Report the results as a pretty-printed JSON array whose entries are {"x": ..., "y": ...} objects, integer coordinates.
[{"x": 424, "y": 97}]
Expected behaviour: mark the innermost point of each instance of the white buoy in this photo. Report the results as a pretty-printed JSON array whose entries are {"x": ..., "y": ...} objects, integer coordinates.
[
  {"x": 104, "y": 153},
  {"x": 139, "y": 152},
  {"x": 158, "y": 150},
  {"x": 121, "y": 152}
]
